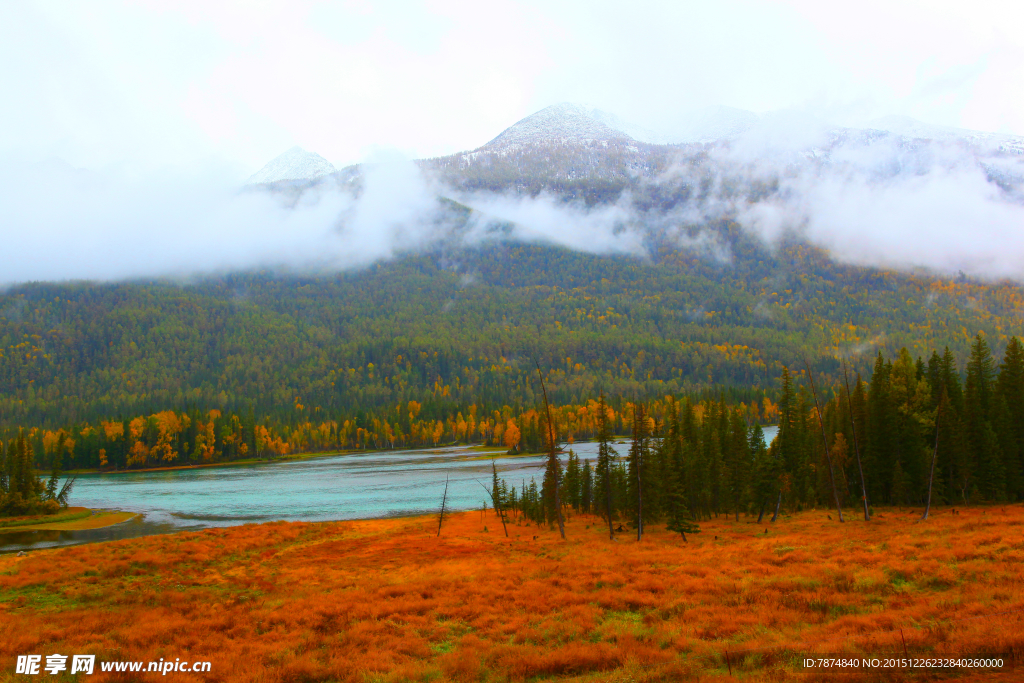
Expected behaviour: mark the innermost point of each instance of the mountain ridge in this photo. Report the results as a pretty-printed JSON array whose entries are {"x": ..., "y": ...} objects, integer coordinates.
[{"x": 294, "y": 164}]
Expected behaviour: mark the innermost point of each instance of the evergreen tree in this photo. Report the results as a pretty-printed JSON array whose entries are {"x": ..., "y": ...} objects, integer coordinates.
[
  {"x": 496, "y": 488},
  {"x": 680, "y": 518},
  {"x": 4, "y": 472},
  {"x": 738, "y": 462},
  {"x": 983, "y": 443},
  {"x": 573, "y": 482},
  {"x": 1011, "y": 390},
  {"x": 549, "y": 485},
  {"x": 879, "y": 452},
  {"x": 604, "y": 486},
  {"x": 51, "y": 485},
  {"x": 587, "y": 489},
  {"x": 637, "y": 462}
]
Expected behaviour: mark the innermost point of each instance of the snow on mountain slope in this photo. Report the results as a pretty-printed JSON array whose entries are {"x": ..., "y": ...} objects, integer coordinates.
[
  {"x": 907, "y": 127},
  {"x": 712, "y": 124},
  {"x": 633, "y": 130},
  {"x": 559, "y": 123},
  {"x": 295, "y": 164}
]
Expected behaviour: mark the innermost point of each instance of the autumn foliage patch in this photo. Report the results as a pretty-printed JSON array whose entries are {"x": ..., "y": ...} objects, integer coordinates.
[{"x": 386, "y": 600}]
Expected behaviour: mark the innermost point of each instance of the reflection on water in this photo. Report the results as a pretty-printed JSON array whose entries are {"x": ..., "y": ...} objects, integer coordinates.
[
  {"x": 355, "y": 486},
  {"x": 14, "y": 541}
]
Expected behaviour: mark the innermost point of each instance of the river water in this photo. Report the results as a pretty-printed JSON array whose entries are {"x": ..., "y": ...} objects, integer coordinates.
[{"x": 351, "y": 486}]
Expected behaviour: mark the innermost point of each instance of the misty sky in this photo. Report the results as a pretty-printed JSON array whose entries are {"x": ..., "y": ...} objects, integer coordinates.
[
  {"x": 152, "y": 84},
  {"x": 127, "y": 128}
]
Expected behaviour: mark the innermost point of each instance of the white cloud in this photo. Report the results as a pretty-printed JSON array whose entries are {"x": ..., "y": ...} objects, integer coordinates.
[{"x": 177, "y": 82}]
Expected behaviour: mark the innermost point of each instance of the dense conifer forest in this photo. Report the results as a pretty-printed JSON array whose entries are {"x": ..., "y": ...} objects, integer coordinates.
[
  {"x": 451, "y": 329},
  {"x": 915, "y": 434}
]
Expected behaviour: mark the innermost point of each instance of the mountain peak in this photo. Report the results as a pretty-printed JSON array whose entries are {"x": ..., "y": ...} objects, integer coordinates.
[
  {"x": 560, "y": 123},
  {"x": 295, "y": 164}
]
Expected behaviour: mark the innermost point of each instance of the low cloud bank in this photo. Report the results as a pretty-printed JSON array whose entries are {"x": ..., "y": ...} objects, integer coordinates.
[
  {"x": 67, "y": 224},
  {"x": 871, "y": 198},
  {"x": 877, "y": 199}
]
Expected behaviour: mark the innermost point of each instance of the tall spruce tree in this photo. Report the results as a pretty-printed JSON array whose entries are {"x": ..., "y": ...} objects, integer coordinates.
[
  {"x": 604, "y": 480},
  {"x": 637, "y": 462},
  {"x": 573, "y": 481},
  {"x": 985, "y": 453},
  {"x": 587, "y": 489},
  {"x": 1011, "y": 389}
]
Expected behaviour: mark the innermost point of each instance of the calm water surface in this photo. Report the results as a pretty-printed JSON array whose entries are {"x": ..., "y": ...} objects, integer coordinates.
[{"x": 350, "y": 486}]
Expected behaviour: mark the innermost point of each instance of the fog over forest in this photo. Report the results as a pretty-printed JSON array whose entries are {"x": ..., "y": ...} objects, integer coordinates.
[{"x": 871, "y": 198}]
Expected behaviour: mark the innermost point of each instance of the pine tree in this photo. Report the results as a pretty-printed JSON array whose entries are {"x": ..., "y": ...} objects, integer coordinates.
[
  {"x": 573, "y": 482},
  {"x": 637, "y": 461},
  {"x": 51, "y": 485},
  {"x": 680, "y": 518},
  {"x": 1011, "y": 389},
  {"x": 985, "y": 455},
  {"x": 587, "y": 489},
  {"x": 879, "y": 450},
  {"x": 4, "y": 472},
  {"x": 767, "y": 470},
  {"x": 496, "y": 488},
  {"x": 550, "y": 499},
  {"x": 604, "y": 487},
  {"x": 738, "y": 461}
]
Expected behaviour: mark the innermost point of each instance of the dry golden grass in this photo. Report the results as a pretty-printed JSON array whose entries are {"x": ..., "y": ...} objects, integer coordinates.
[{"x": 385, "y": 600}]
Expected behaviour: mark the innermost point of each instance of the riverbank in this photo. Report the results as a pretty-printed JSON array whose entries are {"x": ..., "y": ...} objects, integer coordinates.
[
  {"x": 71, "y": 519},
  {"x": 481, "y": 451},
  {"x": 227, "y": 463},
  {"x": 389, "y": 600}
]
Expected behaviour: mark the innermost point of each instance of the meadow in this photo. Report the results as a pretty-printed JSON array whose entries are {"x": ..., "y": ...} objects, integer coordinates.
[{"x": 388, "y": 600}]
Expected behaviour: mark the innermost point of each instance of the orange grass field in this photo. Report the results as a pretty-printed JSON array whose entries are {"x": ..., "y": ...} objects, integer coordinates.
[{"x": 385, "y": 600}]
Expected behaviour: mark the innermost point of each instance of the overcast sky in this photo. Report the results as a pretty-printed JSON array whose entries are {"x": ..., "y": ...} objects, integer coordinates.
[{"x": 175, "y": 84}]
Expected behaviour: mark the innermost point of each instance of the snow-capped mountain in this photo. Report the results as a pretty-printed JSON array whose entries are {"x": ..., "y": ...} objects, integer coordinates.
[
  {"x": 559, "y": 124},
  {"x": 580, "y": 152},
  {"x": 295, "y": 164}
]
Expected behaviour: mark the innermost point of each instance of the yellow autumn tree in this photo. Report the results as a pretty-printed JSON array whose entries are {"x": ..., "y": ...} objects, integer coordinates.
[{"x": 512, "y": 436}]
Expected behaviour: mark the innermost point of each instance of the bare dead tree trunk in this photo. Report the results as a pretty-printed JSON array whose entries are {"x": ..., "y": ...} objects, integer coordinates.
[
  {"x": 760, "y": 515},
  {"x": 824, "y": 441},
  {"x": 935, "y": 454},
  {"x": 856, "y": 446},
  {"x": 553, "y": 453},
  {"x": 444, "y": 499},
  {"x": 778, "y": 504}
]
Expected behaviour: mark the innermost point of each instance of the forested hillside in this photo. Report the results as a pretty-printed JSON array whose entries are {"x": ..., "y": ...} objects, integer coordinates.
[{"x": 454, "y": 327}]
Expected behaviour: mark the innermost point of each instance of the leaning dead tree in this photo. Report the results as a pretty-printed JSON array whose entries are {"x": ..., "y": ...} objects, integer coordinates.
[
  {"x": 65, "y": 491},
  {"x": 552, "y": 453},
  {"x": 444, "y": 500},
  {"x": 856, "y": 447},
  {"x": 824, "y": 441}
]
